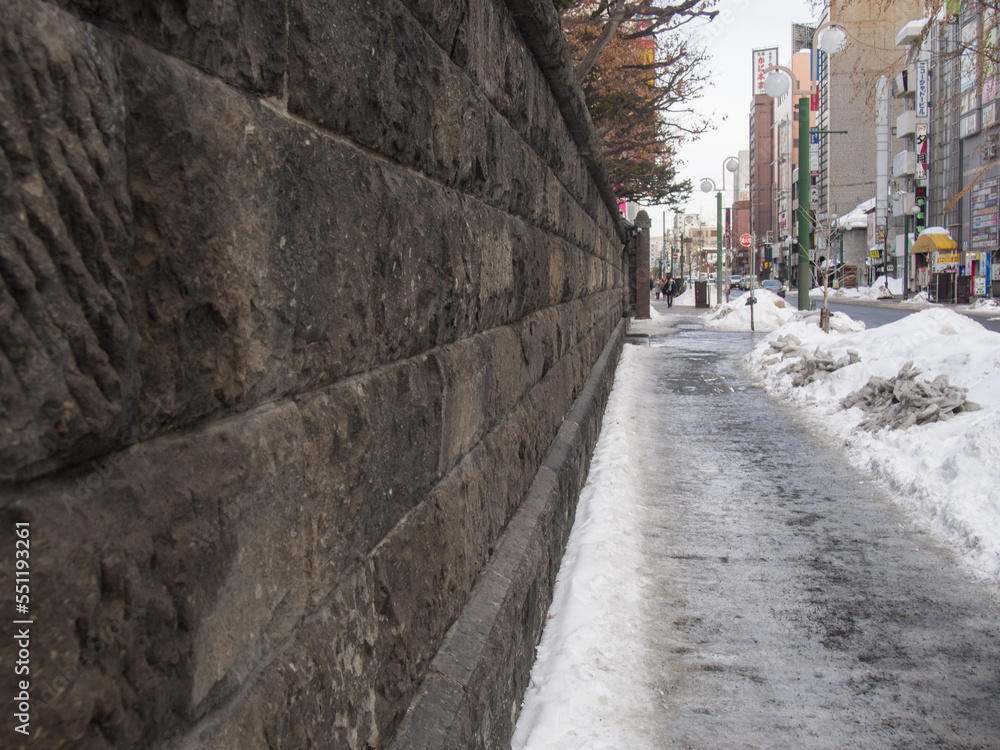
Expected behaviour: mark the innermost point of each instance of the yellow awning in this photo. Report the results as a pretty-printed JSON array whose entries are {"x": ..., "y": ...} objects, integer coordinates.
[{"x": 933, "y": 241}]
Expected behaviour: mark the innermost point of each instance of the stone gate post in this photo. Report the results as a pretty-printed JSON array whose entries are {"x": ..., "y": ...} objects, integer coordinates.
[{"x": 641, "y": 280}]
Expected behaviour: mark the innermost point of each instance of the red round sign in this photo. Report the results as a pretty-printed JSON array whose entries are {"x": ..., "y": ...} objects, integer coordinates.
[{"x": 745, "y": 240}]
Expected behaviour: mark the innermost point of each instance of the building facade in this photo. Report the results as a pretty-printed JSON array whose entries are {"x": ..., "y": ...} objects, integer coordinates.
[
  {"x": 948, "y": 95},
  {"x": 852, "y": 91}
]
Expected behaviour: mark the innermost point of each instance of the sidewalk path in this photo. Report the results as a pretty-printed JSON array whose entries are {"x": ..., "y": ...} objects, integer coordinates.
[{"x": 765, "y": 595}]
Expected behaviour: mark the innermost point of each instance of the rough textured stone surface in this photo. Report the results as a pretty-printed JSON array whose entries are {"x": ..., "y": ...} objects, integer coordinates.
[
  {"x": 298, "y": 307},
  {"x": 471, "y": 696},
  {"x": 242, "y": 43},
  {"x": 68, "y": 380}
]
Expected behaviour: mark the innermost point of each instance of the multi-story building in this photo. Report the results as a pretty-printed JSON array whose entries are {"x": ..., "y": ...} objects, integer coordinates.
[
  {"x": 761, "y": 149},
  {"x": 695, "y": 246},
  {"x": 846, "y": 171},
  {"x": 948, "y": 91},
  {"x": 779, "y": 254},
  {"x": 849, "y": 155}
]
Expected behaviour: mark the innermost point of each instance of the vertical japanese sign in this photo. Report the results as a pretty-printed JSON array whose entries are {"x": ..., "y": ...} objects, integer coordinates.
[
  {"x": 762, "y": 60},
  {"x": 984, "y": 216},
  {"x": 922, "y": 89},
  {"x": 920, "y": 141},
  {"x": 967, "y": 62}
]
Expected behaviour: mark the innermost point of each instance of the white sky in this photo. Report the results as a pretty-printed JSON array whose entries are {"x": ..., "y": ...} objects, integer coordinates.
[
  {"x": 584, "y": 690},
  {"x": 741, "y": 27}
]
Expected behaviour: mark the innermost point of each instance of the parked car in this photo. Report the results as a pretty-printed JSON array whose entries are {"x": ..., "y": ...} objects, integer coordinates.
[
  {"x": 747, "y": 280},
  {"x": 774, "y": 286}
]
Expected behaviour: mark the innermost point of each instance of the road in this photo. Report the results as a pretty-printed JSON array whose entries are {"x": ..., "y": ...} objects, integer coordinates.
[
  {"x": 796, "y": 605},
  {"x": 878, "y": 314}
]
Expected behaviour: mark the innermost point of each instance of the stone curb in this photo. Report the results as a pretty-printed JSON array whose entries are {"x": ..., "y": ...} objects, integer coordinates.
[{"x": 471, "y": 695}]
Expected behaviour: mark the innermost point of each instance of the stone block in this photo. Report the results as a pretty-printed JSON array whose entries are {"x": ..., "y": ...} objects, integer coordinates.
[
  {"x": 249, "y": 297},
  {"x": 316, "y": 689},
  {"x": 508, "y": 374},
  {"x": 410, "y": 103},
  {"x": 243, "y": 44},
  {"x": 464, "y": 400},
  {"x": 422, "y": 579},
  {"x": 367, "y": 70},
  {"x": 159, "y": 574},
  {"x": 442, "y": 20},
  {"x": 68, "y": 377},
  {"x": 357, "y": 435}
]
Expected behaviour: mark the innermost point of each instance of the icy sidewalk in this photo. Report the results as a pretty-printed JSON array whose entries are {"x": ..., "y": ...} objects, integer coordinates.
[{"x": 731, "y": 581}]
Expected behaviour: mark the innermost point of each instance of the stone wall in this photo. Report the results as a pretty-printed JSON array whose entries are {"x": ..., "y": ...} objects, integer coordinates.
[{"x": 308, "y": 314}]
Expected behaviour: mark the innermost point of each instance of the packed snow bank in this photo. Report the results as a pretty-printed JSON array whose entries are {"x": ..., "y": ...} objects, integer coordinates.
[
  {"x": 879, "y": 290},
  {"x": 948, "y": 471},
  {"x": 985, "y": 304},
  {"x": 770, "y": 312},
  {"x": 688, "y": 297},
  {"x": 587, "y": 658}
]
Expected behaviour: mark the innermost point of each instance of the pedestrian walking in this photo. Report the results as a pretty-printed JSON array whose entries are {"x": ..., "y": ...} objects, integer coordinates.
[{"x": 670, "y": 290}]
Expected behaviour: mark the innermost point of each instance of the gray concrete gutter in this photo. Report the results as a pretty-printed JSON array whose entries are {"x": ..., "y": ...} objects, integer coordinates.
[{"x": 471, "y": 695}]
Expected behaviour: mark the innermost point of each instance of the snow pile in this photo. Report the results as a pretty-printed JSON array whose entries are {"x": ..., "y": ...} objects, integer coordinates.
[
  {"x": 879, "y": 291},
  {"x": 984, "y": 304},
  {"x": 946, "y": 470},
  {"x": 587, "y": 658},
  {"x": 688, "y": 297},
  {"x": 685, "y": 299},
  {"x": 804, "y": 364},
  {"x": 902, "y": 401},
  {"x": 920, "y": 298},
  {"x": 838, "y": 293},
  {"x": 882, "y": 288},
  {"x": 769, "y": 312}
]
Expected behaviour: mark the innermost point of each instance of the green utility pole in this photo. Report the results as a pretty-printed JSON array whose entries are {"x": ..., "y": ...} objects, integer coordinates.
[
  {"x": 718, "y": 257},
  {"x": 804, "y": 275}
]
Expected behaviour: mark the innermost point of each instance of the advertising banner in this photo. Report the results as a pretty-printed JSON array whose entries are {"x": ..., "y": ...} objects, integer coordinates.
[
  {"x": 762, "y": 60},
  {"x": 946, "y": 261},
  {"x": 920, "y": 141},
  {"x": 922, "y": 89},
  {"x": 984, "y": 216}
]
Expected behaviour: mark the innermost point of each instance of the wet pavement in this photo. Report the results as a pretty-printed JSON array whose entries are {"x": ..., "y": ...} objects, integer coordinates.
[{"x": 796, "y": 605}]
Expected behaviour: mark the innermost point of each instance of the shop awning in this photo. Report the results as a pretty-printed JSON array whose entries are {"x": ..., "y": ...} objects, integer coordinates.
[{"x": 928, "y": 241}]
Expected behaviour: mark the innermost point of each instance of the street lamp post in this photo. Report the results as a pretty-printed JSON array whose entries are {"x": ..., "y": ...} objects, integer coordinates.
[
  {"x": 776, "y": 86},
  {"x": 707, "y": 186},
  {"x": 829, "y": 38}
]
